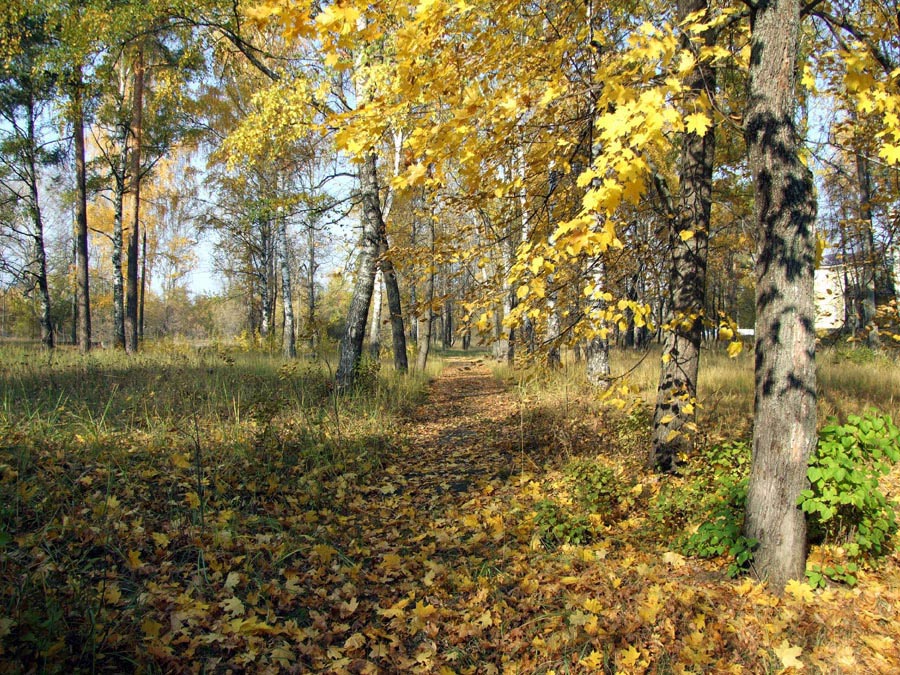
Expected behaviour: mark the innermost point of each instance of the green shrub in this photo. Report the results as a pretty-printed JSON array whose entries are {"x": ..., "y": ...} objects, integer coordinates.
[
  {"x": 596, "y": 487},
  {"x": 558, "y": 527},
  {"x": 844, "y": 501},
  {"x": 721, "y": 534}
]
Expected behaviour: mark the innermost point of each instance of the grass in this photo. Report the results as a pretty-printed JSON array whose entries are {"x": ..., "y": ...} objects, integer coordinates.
[
  {"x": 851, "y": 380},
  {"x": 182, "y": 454}
]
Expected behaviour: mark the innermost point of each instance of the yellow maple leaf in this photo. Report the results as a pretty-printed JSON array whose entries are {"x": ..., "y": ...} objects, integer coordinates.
[
  {"x": 151, "y": 628},
  {"x": 686, "y": 235},
  {"x": 180, "y": 461},
  {"x": 628, "y": 658},
  {"x": 233, "y": 606},
  {"x": 232, "y": 580},
  {"x": 134, "y": 560},
  {"x": 324, "y": 553},
  {"x": 674, "y": 559},
  {"x": 192, "y": 500},
  {"x": 112, "y": 594},
  {"x": 697, "y": 123},
  {"x": 788, "y": 655},
  {"x": 397, "y": 610},
  {"x": 355, "y": 641},
  {"x": 799, "y": 590},
  {"x": 161, "y": 539},
  {"x": 890, "y": 153},
  {"x": 593, "y": 661},
  {"x": 593, "y": 605},
  {"x": 423, "y": 611},
  {"x": 735, "y": 348},
  {"x": 416, "y": 174}
]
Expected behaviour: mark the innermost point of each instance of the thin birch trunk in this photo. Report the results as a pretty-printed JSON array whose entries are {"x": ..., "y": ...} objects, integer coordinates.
[
  {"x": 82, "y": 278},
  {"x": 131, "y": 290},
  {"x": 289, "y": 343}
]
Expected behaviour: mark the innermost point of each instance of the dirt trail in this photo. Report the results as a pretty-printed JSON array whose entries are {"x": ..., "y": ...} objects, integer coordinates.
[{"x": 430, "y": 558}]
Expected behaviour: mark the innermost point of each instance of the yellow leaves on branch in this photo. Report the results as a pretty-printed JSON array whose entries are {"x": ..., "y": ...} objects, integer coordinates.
[
  {"x": 877, "y": 98},
  {"x": 697, "y": 123}
]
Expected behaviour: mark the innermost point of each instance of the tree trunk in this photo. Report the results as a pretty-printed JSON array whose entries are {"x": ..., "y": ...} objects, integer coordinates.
[
  {"x": 358, "y": 314},
  {"x": 289, "y": 343},
  {"x": 447, "y": 324},
  {"x": 597, "y": 367},
  {"x": 425, "y": 315},
  {"x": 392, "y": 288},
  {"x": 551, "y": 336},
  {"x": 73, "y": 336},
  {"x": 40, "y": 253},
  {"x": 867, "y": 269},
  {"x": 677, "y": 391},
  {"x": 784, "y": 432},
  {"x": 82, "y": 279},
  {"x": 117, "y": 244},
  {"x": 131, "y": 277},
  {"x": 311, "y": 288},
  {"x": 375, "y": 323},
  {"x": 143, "y": 286},
  {"x": 895, "y": 272}
]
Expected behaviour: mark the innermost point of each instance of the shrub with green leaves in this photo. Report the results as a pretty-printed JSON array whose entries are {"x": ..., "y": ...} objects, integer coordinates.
[
  {"x": 721, "y": 534},
  {"x": 597, "y": 487},
  {"x": 557, "y": 527},
  {"x": 844, "y": 501}
]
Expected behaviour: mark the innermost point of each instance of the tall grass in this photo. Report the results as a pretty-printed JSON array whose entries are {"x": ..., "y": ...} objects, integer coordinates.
[
  {"x": 850, "y": 381},
  {"x": 168, "y": 394}
]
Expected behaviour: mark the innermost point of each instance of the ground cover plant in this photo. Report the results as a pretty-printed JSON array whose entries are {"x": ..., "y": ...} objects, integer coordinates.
[{"x": 214, "y": 509}]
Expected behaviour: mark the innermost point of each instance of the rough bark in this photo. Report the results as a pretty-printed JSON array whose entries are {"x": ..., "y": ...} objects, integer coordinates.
[
  {"x": 358, "y": 314},
  {"x": 73, "y": 335},
  {"x": 597, "y": 366},
  {"x": 266, "y": 275},
  {"x": 143, "y": 285},
  {"x": 395, "y": 308},
  {"x": 82, "y": 279},
  {"x": 784, "y": 432},
  {"x": 289, "y": 341},
  {"x": 131, "y": 275},
  {"x": 551, "y": 336},
  {"x": 867, "y": 269},
  {"x": 447, "y": 324},
  {"x": 40, "y": 253},
  {"x": 677, "y": 390},
  {"x": 895, "y": 272}
]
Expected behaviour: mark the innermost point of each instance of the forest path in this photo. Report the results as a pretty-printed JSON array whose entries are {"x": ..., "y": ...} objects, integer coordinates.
[{"x": 431, "y": 568}]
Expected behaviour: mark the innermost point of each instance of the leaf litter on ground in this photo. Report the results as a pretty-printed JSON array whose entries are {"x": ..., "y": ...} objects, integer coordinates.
[{"x": 429, "y": 561}]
